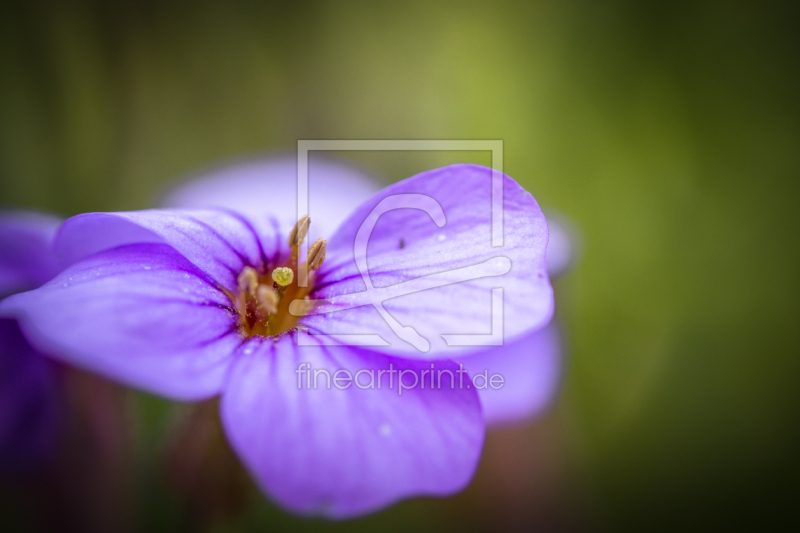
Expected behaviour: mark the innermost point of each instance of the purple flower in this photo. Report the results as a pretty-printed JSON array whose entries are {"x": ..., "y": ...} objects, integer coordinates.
[
  {"x": 195, "y": 303},
  {"x": 532, "y": 366},
  {"x": 28, "y": 398}
]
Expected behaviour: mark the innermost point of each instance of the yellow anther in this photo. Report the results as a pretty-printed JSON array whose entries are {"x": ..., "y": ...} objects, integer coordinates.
[
  {"x": 316, "y": 254},
  {"x": 298, "y": 233}
]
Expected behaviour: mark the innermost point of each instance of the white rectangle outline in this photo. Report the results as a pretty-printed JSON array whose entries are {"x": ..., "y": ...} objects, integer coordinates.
[{"x": 495, "y": 338}]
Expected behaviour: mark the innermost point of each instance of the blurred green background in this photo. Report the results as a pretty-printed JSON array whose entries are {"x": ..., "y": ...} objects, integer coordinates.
[{"x": 667, "y": 131}]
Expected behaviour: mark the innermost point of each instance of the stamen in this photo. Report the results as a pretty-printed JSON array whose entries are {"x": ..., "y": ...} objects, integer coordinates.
[
  {"x": 267, "y": 298},
  {"x": 283, "y": 276},
  {"x": 248, "y": 280},
  {"x": 316, "y": 254},
  {"x": 302, "y": 307},
  {"x": 298, "y": 233},
  {"x": 263, "y": 306}
]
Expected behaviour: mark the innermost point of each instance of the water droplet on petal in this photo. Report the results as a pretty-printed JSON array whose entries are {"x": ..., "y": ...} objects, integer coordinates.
[{"x": 441, "y": 237}]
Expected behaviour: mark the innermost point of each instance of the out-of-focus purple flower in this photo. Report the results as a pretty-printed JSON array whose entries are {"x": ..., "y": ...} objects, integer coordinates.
[
  {"x": 182, "y": 303},
  {"x": 28, "y": 402},
  {"x": 28, "y": 397},
  {"x": 248, "y": 186},
  {"x": 562, "y": 249},
  {"x": 26, "y": 256}
]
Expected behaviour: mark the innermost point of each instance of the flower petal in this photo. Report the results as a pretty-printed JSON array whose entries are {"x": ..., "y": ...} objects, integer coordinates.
[
  {"x": 26, "y": 257},
  {"x": 531, "y": 369},
  {"x": 269, "y": 185},
  {"x": 219, "y": 242},
  {"x": 408, "y": 252},
  {"x": 28, "y": 402},
  {"x": 561, "y": 246},
  {"x": 141, "y": 314},
  {"x": 344, "y": 452}
]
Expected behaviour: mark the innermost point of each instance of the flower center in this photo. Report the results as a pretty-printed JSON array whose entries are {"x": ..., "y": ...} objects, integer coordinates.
[{"x": 262, "y": 298}]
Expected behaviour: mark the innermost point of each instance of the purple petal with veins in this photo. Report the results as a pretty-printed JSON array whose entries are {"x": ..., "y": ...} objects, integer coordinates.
[
  {"x": 434, "y": 258},
  {"x": 343, "y": 452},
  {"x": 141, "y": 314},
  {"x": 219, "y": 242}
]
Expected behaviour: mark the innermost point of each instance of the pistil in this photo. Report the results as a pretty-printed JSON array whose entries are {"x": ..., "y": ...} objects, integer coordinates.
[{"x": 283, "y": 277}]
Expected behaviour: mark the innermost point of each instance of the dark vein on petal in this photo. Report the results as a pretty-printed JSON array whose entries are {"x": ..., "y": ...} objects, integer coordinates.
[
  {"x": 244, "y": 221},
  {"x": 206, "y": 342},
  {"x": 224, "y": 241}
]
